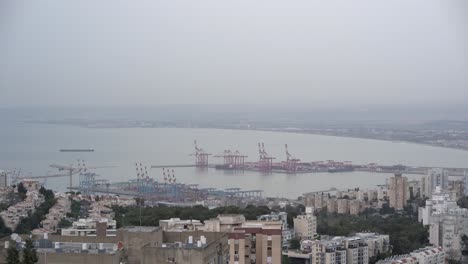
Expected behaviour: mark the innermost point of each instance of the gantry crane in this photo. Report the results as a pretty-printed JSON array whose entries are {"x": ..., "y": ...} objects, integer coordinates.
[
  {"x": 291, "y": 163},
  {"x": 70, "y": 171},
  {"x": 201, "y": 157}
]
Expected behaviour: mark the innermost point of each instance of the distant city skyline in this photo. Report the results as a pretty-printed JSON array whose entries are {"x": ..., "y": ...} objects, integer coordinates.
[{"x": 321, "y": 53}]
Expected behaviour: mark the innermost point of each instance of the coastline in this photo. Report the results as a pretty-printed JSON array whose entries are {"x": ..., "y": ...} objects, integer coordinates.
[{"x": 273, "y": 130}]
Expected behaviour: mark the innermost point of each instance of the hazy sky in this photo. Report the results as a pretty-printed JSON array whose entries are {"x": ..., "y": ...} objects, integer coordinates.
[{"x": 154, "y": 52}]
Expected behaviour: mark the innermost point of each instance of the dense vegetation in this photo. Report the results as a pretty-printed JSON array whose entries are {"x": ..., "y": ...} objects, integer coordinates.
[
  {"x": 29, "y": 254},
  {"x": 75, "y": 209},
  {"x": 463, "y": 202},
  {"x": 22, "y": 191},
  {"x": 33, "y": 221},
  {"x": 406, "y": 233},
  {"x": 150, "y": 216},
  {"x": 4, "y": 231}
]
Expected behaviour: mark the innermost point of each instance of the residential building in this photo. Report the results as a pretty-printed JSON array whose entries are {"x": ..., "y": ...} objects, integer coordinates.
[
  {"x": 305, "y": 226},
  {"x": 224, "y": 223},
  {"x": 397, "y": 191},
  {"x": 354, "y": 207},
  {"x": 188, "y": 246},
  {"x": 376, "y": 243},
  {"x": 256, "y": 242},
  {"x": 178, "y": 224},
  {"x": 13, "y": 215},
  {"x": 31, "y": 185},
  {"x": 3, "y": 178},
  {"x": 328, "y": 252},
  {"x": 357, "y": 251},
  {"x": 427, "y": 255},
  {"x": 437, "y": 177},
  {"x": 287, "y": 233},
  {"x": 342, "y": 206},
  {"x": 332, "y": 205},
  {"x": 91, "y": 227},
  {"x": 57, "y": 212},
  {"x": 447, "y": 222},
  {"x": 339, "y": 250}
]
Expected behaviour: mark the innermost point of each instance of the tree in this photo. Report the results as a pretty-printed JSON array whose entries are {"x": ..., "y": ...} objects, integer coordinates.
[
  {"x": 294, "y": 243},
  {"x": 13, "y": 256},
  {"x": 464, "y": 244},
  {"x": 22, "y": 191},
  {"x": 64, "y": 223},
  {"x": 29, "y": 253}
]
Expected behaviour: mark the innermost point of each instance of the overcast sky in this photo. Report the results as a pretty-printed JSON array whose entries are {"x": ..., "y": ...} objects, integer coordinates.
[{"x": 233, "y": 52}]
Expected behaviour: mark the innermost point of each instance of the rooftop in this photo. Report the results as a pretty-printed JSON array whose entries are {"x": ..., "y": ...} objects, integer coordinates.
[{"x": 136, "y": 229}]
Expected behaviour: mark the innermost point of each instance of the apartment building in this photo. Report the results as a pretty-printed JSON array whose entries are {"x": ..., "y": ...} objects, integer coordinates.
[
  {"x": 305, "y": 226},
  {"x": 376, "y": 243},
  {"x": 224, "y": 223},
  {"x": 92, "y": 227},
  {"x": 342, "y": 206},
  {"x": 427, "y": 255},
  {"x": 437, "y": 177},
  {"x": 287, "y": 233},
  {"x": 256, "y": 242},
  {"x": 178, "y": 224},
  {"x": 398, "y": 186},
  {"x": 447, "y": 222}
]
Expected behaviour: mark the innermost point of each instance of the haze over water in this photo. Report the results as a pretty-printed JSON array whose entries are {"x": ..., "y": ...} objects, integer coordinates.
[{"x": 32, "y": 147}]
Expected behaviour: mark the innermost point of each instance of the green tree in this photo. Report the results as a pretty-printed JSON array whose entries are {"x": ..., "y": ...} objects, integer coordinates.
[
  {"x": 64, "y": 223},
  {"x": 13, "y": 256},
  {"x": 22, "y": 191},
  {"x": 464, "y": 245},
  {"x": 29, "y": 253},
  {"x": 463, "y": 202},
  {"x": 294, "y": 243}
]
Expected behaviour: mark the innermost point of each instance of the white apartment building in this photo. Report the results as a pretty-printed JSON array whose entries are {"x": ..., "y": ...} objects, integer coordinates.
[
  {"x": 437, "y": 177},
  {"x": 174, "y": 224},
  {"x": 305, "y": 226},
  {"x": 376, "y": 243},
  {"x": 91, "y": 227},
  {"x": 447, "y": 222},
  {"x": 340, "y": 250},
  {"x": 427, "y": 255}
]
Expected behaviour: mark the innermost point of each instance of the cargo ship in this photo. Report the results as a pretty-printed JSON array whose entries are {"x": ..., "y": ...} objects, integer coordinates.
[{"x": 76, "y": 150}]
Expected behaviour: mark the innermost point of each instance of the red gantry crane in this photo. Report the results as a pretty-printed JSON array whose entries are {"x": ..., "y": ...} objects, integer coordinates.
[
  {"x": 291, "y": 163},
  {"x": 201, "y": 157},
  {"x": 266, "y": 161}
]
